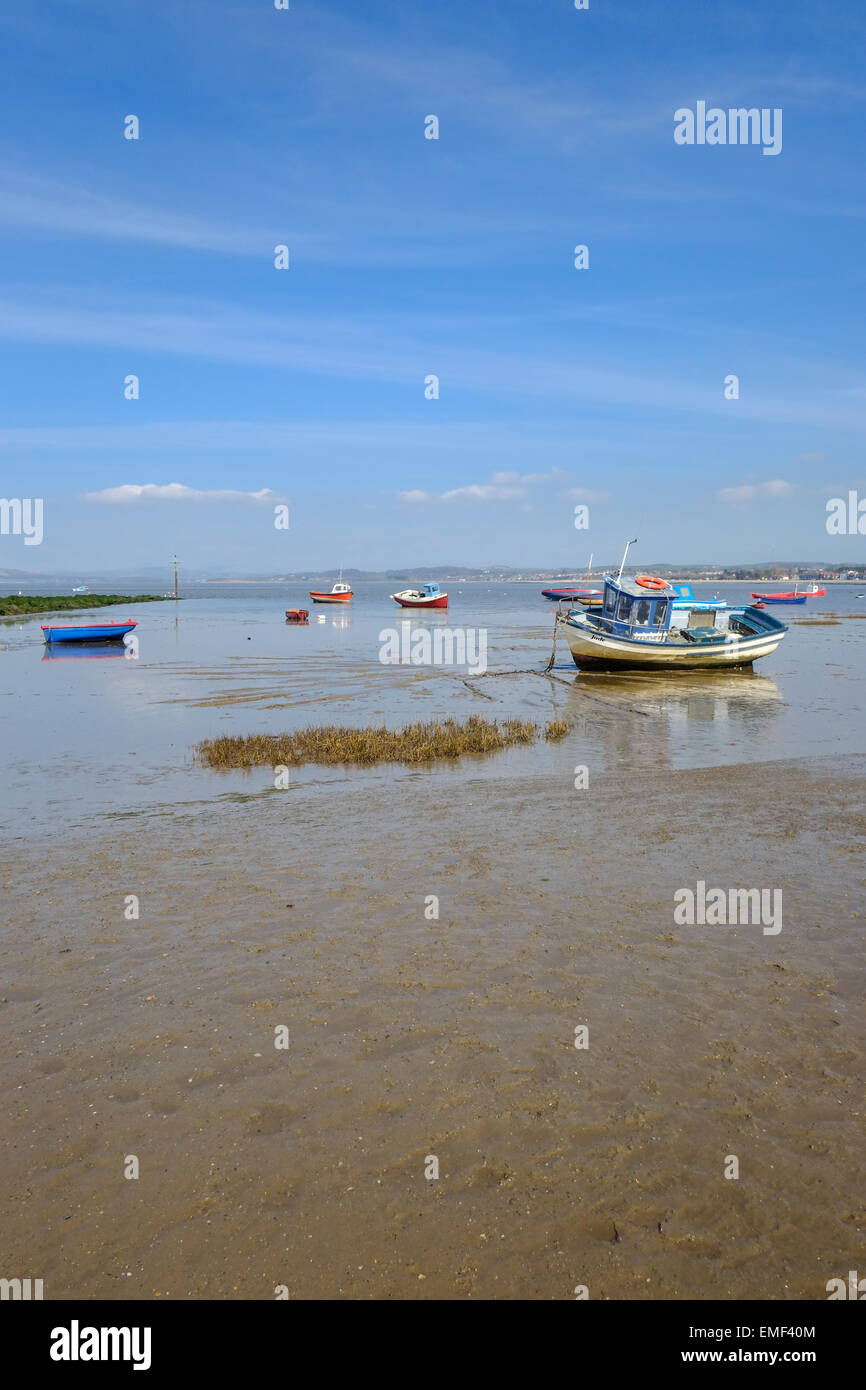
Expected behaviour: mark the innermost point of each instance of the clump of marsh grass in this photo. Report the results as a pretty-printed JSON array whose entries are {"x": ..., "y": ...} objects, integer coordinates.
[
  {"x": 556, "y": 729},
  {"x": 416, "y": 743}
]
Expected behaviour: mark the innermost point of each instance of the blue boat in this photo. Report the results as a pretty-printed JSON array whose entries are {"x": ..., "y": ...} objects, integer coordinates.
[
  {"x": 584, "y": 596},
  {"x": 780, "y": 598},
  {"x": 639, "y": 629},
  {"x": 91, "y": 632},
  {"x": 687, "y": 599}
]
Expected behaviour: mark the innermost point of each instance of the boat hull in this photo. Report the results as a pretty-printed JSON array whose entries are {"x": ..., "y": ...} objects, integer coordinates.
[
  {"x": 581, "y": 595},
  {"x": 329, "y": 598},
  {"x": 782, "y": 598},
  {"x": 593, "y": 651},
  {"x": 94, "y": 632},
  {"x": 440, "y": 601}
]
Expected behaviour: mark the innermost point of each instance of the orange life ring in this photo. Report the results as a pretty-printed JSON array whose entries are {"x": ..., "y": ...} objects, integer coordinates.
[{"x": 651, "y": 581}]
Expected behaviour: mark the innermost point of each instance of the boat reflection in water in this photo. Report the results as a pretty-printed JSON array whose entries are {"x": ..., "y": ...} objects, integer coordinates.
[
  {"x": 342, "y": 620},
  {"x": 705, "y": 695},
  {"x": 87, "y": 651},
  {"x": 677, "y": 719}
]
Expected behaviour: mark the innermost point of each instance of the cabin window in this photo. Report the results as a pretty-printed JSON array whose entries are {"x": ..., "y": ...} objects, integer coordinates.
[
  {"x": 623, "y": 611},
  {"x": 609, "y": 601},
  {"x": 642, "y": 612},
  {"x": 661, "y": 612}
]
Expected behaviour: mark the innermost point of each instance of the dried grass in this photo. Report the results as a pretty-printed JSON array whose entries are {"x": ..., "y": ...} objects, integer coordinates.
[{"x": 416, "y": 743}]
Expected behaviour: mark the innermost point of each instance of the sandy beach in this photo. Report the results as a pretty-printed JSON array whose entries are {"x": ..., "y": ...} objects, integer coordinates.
[{"x": 412, "y": 1038}]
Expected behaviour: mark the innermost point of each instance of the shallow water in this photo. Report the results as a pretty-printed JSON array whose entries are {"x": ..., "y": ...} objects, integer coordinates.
[{"x": 101, "y": 734}]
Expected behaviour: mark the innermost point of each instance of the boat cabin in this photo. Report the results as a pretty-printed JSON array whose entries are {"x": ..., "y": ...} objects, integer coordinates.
[{"x": 631, "y": 610}]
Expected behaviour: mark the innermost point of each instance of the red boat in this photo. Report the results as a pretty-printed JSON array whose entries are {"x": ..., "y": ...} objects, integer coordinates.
[
  {"x": 795, "y": 595},
  {"x": 780, "y": 598},
  {"x": 341, "y": 593},
  {"x": 297, "y": 615},
  {"x": 425, "y": 596}
]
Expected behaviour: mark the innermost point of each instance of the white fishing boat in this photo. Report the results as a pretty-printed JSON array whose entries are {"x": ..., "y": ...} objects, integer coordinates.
[{"x": 638, "y": 627}]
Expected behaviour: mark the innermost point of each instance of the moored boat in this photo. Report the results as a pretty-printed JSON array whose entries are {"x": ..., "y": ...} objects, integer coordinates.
[
  {"x": 297, "y": 615},
  {"x": 424, "y": 596},
  {"x": 584, "y": 596},
  {"x": 686, "y": 599},
  {"x": 341, "y": 593},
  {"x": 638, "y": 628},
  {"x": 781, "y": 598},
  {"x": 88, "y": 632}
]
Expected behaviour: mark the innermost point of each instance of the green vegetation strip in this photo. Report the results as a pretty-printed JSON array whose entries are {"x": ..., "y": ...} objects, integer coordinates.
[
  {"x": 417, "y": 743},
  {"x": 13, "y": 604}
]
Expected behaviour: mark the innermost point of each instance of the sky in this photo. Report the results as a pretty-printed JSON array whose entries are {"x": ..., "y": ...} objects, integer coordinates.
[{"x": 411, "y": 258}]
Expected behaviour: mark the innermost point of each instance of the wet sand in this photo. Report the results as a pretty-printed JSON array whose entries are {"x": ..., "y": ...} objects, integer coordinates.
[{"x": 455, "y": 1038}]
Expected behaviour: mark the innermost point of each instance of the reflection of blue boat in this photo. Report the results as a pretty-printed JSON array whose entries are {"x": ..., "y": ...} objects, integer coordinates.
[
  {"x": 83, "y": 651},
  {"x": 91, "y": 632},
  {"x": 638, "y": 629}
]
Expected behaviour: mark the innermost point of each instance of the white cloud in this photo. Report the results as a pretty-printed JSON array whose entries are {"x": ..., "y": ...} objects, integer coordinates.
[
  {"x": 748, "y": 492},
  {"x": 414, "y": 495},
  {"x": 175, "y": 492},
  {"x": 485, "y": 492},
  {"x": 502, "y": 487}
]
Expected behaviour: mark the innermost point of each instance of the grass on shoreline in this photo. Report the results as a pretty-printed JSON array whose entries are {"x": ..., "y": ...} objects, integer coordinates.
[
  {"x": 14, "y": 604},
  {"x": 416, "y": 743}
]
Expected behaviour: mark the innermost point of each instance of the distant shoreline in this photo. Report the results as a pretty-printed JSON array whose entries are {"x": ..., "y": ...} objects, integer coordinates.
[{"x": 557, "y": 582}]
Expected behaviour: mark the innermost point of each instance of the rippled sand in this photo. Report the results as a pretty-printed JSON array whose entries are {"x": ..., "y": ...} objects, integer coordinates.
[{"x": 455, "y": 1038}]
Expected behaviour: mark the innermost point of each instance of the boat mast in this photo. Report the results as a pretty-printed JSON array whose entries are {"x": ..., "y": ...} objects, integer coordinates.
[
  {"x": 175, "y": 577},
  {"x": 622, "y": 566},
  {"x": 589, "y": 568}
]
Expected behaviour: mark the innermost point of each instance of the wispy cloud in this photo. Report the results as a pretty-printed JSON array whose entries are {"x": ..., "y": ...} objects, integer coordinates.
[
  {"x": 61, "y": 206},
  {"x": 175, "y": 492},
  {"x": 501, "y": 487},
  {"x": 748, "y": 492},
  {"x": 395, "y": 348}
]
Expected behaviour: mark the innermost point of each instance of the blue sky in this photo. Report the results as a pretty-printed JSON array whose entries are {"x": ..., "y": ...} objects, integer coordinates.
[{"x": 412, "y": 257}]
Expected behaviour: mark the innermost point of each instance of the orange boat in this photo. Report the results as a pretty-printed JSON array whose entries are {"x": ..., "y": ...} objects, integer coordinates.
[{"x": 341, "y": 593}]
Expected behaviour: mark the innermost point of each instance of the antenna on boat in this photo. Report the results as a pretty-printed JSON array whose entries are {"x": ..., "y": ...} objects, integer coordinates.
[{"x": 622, "y": 566}]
